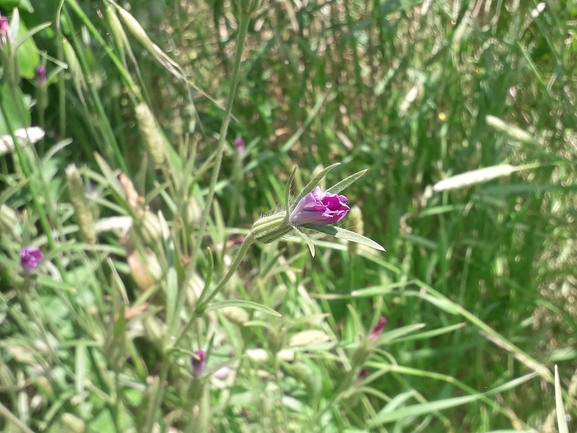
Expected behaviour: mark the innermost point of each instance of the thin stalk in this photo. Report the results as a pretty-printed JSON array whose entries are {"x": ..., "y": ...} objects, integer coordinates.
[
  {"x": 104, "y": 123},
  {"x": 244, "y": 20},
  {"x": 248, "y": 241},
  {"x": 202, "y": 304}
]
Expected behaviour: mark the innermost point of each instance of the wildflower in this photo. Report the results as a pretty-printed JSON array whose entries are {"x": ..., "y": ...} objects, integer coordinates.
[
  {"x": 4, "y": 28},
  {"x": 319, "y": 208},
  {"x": 239, "y": 142},
  {"x": 41, "y": 75},
  {"x": 377, "y": 330},
  {"x": 198, "y": 363},
  {"x": 30, "y": 258}
]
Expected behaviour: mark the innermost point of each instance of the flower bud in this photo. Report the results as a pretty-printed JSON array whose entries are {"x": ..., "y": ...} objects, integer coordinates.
[
  {"x": 155, "y": 331},
  {"x": 145, "y": 271},
  {"x": 304, "y": 373},
  {"x": 377, "y": 330},
  {"x": 239, "y": 142},
  {"x": 198, "y": 363},
  {"x": 192, "y": 212},
  {"x": 153, "y": 139},
  {"x": 72, "y": 423},
  {"x": 117, "y": 31},
  {"x": 268, "y": 229},
  {"x": 193, "y": 289},
  {"x": 9, "y": 222},
  {"x": 30, "y": 258},
  {"x": 149, "y": 228},
  {"x": 308, "y": 338},
  {"x": 80, "y": 205},
  {"x": 236, "y": 315},
  {"x": 41, "y": 75}
]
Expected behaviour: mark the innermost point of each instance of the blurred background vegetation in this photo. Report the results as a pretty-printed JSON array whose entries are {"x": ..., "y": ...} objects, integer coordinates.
[{"x": 402, "y": 88}]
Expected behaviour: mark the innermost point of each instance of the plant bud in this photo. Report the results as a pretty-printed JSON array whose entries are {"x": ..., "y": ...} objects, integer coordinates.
[
  {"x": 153, "y": 139},
  {"x": 145, "y": 271},
  {"x": 118, "y": 33},
  {"x": 308, "y": 338},
  {"x": 73, "y": 423},
  {"x": 271, "y": 228},
  {"x": 192, "y": 212},
  {"x": 155, "y": 331},
  {"x": 194, "y": 287},
  {"x": 149, "y": 228},
  {"x": 80, "y": 205},
  {"x": 276, "y": 339},
  {"x": 9, "y": 222},
  {"x": 74, "y": 68},
  {"x": 303, "y": 372},
  {"x": 236, "y": 315}
]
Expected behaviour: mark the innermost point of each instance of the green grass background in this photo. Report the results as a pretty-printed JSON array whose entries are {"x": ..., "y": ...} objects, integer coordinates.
[{"x": 477, "y": 283}]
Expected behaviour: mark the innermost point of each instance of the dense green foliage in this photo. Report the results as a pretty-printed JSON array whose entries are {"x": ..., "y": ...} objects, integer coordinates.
[{"x": 477, "y": 283}]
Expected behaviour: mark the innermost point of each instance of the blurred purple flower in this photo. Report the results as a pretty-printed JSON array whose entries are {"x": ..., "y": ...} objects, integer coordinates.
[
  {"x": 30, "y": 258},
  {"x": 4, "y": 26},
  {"x": 319, "y": 208},
  {"x": 198, "y": 363},
  {"x": 239, "y": 142},
  {"x": 41, "y": 75},
  {"x": 378, "y": 330},
  {"x": 223, "y": 372},
  {"x": 364, "y": 373}
]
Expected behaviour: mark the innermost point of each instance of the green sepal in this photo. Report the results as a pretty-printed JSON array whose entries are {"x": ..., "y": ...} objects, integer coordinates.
[
  {"x": 307, "y": 240},
  {"x": 315, "y": 181},
  {"x": 346, "y": 235},
  {"x": 338, "y": 187}
]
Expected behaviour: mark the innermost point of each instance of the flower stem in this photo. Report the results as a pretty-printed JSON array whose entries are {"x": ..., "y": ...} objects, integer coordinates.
[
  {"x": 244, "y": 19},
  {"x": 248, "y": 241}
]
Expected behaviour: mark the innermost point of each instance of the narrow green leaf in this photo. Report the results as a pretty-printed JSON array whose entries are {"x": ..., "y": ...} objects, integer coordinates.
[
  {"x": 109, "y": 175},
  {"x": 421, "y": 409},
  {"x": 119, "y": 325},
  {"x": 171, "y": 295},
  {"x": 24, "y": 35},
  {"x": 15, "y": 109},
  {"x": 242, "y": 304},
  {"x": 318, "y": 104},
  {"x": 307, "y": 240},
  {"x": 399, "y": 332},
  {"x": 288, "y": 191},
  {"x": 434, "y": 333},
  {"x": 560, "y": 408},
  {"x": 338, "y": 187},
  {"x": 346, "y": 235},
  {"x": 385, "y": 416},
  {"x": 315, "y": 181},
  {"x": 379, "y": 290}
]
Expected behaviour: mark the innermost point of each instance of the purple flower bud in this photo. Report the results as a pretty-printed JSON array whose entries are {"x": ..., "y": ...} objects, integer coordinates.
[
  {"x": 319, "y": 208},
  {"x": 364, "y": 373},
  {"x": 239, "y": 142},
  {"x": 30, "y": 258},
  {"x": 198, "y": 363},
  {"x": 378, "y": 330},
  {"x": 4, "y": 27},
  {"x": 41, "y": 75}
]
